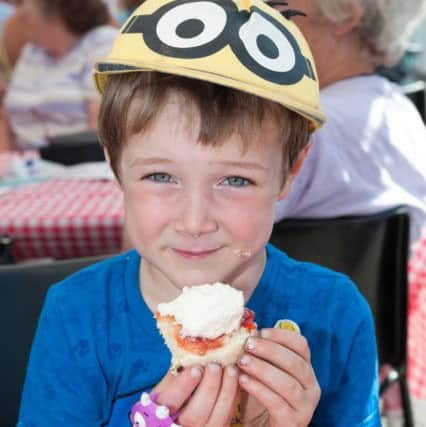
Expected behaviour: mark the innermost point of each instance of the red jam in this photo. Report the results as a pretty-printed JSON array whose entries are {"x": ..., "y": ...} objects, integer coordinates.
[
  {"x": 197, "y": 345},
  {"x": 200, "y": 345},
  {"x": 247, "y": 320}
]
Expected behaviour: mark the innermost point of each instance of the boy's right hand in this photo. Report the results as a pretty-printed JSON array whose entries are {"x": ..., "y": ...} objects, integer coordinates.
[{"x": 204, "y": 397}]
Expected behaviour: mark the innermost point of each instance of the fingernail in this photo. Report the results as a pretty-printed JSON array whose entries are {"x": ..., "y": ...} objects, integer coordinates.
[
  {"x": 265, "y": 333},
  {"x": 196, "y": 371},
  {"x": 214, "y": 367},
  {"x": 251, "y": 344},
  {"x": 245, "y": 360},
  {"x": 244, "y": 379},
  {"x": 231, "y": 371}
]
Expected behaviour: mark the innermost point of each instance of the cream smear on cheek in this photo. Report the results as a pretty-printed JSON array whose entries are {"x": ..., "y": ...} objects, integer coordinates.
[{"x": 242, "y": 253}]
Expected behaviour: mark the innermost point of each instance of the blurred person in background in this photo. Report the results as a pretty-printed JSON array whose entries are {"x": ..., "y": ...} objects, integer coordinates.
[
  {"x": 371, "y": 153},
  {"x": 13, "y": 36},
  {"x": 112, "y": 6},
  {"x": 51, "y": 91},
  {"x": 419, "y": 61},
  {"x": 6, "y": 9},
  {"x": 126, "y": 8}
]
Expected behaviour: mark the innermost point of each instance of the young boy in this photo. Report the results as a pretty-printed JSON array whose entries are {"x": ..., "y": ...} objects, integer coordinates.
[{"x": 206, "y": 114}]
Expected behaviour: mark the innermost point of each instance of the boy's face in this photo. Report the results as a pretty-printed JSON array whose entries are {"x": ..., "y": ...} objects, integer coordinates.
[{"x": 199, "y": 214}]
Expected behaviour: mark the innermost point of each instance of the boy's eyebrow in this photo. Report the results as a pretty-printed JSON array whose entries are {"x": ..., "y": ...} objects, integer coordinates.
[
  {"x": 159, "y": 160},
  {"x": 148, "y": 161},
  {"x": 243, "y": 165}
]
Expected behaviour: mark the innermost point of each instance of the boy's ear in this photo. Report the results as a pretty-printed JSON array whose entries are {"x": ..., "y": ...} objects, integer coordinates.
[
  {"x": 355, "y": 12},
  {"x": 108, "y": 160},
  {"x": 297, "y": 166}
]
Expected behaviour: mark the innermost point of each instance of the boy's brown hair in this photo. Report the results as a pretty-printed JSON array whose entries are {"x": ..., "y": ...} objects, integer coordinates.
[{"x": 131, "y": 102}]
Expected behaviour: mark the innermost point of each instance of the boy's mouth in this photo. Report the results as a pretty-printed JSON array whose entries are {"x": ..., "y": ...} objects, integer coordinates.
[{"x": 195, "y": 253}]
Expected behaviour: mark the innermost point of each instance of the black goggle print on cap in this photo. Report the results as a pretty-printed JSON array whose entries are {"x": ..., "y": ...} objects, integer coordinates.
[{"x": 196, "y": 29}]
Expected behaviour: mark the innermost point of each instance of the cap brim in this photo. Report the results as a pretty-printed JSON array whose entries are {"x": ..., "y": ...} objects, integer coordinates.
[{"x": 105, "y": 69}]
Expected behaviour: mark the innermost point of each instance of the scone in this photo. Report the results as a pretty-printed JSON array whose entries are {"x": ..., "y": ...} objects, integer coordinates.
[{"x": 206, "y": 323}]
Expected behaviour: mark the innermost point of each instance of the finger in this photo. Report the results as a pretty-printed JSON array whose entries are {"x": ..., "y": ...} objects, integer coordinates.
[
  {"x": 276, "y": 380},
  {"x": 197, "y": 410},
  {"x": 277, "y": 407},
  {"x": 283, "y": 358},
  {"x": 163, "y": 384},
  {"x": 174, "y": 390},
  {"x": 293, "y": 341},
  {"x": 229, "y": 395}
]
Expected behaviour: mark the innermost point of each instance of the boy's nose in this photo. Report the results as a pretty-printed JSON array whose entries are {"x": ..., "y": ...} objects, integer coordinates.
[{"x": 196, "y": 216}]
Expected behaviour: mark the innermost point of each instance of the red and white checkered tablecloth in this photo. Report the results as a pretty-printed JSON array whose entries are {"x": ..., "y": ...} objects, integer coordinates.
[
  {"x": 416, "y": 343},
  {"x": 417, "y": 322},
  {"x": 63, "y": 218}
]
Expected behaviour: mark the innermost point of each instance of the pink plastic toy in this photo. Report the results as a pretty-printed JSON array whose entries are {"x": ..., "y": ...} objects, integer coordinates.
[{"x": 146, "y": 413}]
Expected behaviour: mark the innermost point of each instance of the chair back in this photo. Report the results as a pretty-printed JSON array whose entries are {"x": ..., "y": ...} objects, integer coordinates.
[
  {"x": 373, "y": 251},
  {"x": 73, "y": 148},
  {"x": 6, "y": 249},
  {"x": 416, "y": 92},
  {"x": 22, "y": 292}
]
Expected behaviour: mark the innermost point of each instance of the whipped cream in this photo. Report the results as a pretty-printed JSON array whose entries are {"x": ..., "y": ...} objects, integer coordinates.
[{"x": 206, "y": 311}]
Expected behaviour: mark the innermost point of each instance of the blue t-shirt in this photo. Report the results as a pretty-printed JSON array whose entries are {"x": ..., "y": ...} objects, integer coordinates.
[{"x": 97, "y": 346}]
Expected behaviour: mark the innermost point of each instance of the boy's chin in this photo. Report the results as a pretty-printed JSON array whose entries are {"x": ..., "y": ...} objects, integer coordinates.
[{"x": 196, "y": 280}]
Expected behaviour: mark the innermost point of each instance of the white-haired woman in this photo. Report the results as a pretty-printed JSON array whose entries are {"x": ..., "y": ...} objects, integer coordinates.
[{"x": 371, "y": 153}]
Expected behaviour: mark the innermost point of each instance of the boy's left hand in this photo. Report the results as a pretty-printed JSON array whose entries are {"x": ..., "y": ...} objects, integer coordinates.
[{"x": 278, "y": 376}]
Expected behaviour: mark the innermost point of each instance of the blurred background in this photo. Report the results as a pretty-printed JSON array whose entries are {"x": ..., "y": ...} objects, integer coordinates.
[{"x": 60, "y": 205}]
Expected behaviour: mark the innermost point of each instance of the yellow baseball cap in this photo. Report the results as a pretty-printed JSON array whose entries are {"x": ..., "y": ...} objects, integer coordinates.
[{"x": 243, "y": 44}]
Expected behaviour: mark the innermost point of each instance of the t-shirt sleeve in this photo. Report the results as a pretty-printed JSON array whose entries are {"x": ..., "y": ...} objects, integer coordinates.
[
  {"x": 355, "y": 399},
  {"x": 64, "y": 383}
]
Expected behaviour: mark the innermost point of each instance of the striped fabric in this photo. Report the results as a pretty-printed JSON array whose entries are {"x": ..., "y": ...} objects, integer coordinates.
[{"x": 47, "y": 97}]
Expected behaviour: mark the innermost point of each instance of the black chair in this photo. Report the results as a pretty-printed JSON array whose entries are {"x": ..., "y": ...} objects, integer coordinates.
[
  {"x": 373, "y": 251},
  {"x": 74, "y": 148},
  {"x": 22, "y": 292},
  {"x": 6, "y": 249},
  {"x": 416, "y": 92}
]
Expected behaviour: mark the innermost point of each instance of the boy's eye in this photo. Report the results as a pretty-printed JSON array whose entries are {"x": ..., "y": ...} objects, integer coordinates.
[
  {"x": 236, "y": 181},
  {"x": 159, "y": 177}
]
